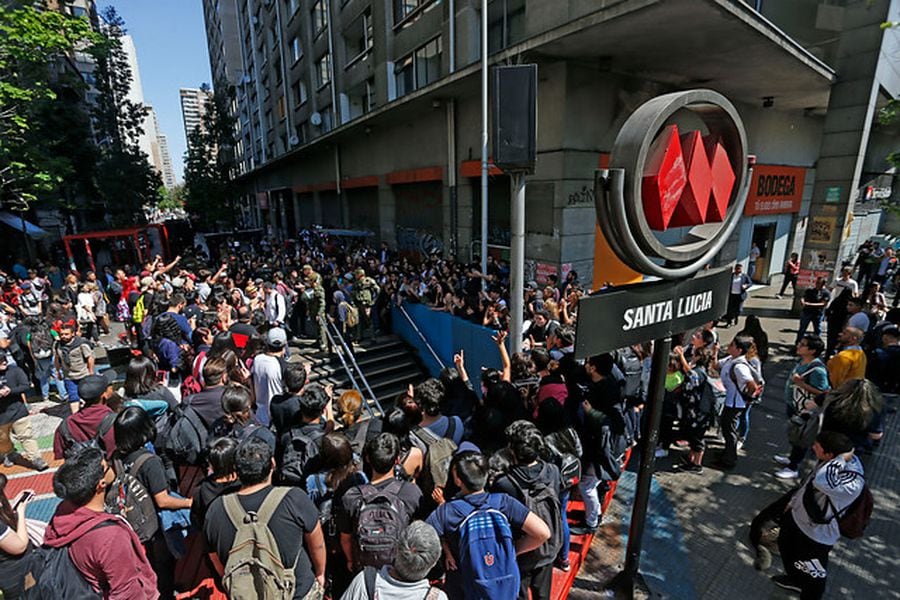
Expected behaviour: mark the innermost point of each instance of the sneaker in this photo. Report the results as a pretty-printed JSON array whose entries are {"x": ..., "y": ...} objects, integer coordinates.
[
  {"x": 782, "y": 460},
  {"x": 562, "y": 564},
  {"x": 692, "y": 468},
  {"x": 39, "y": 464},
  {"x": 787, "y": 473},
  {"x": 583, "y": 529},
  {"x": 786, "y": 583},
  {"x": 7, "y": 462},
  {"x": 661, "y": 453},
  {"x": 740, "y": 444},
  {"x": 763, "y": 559}
]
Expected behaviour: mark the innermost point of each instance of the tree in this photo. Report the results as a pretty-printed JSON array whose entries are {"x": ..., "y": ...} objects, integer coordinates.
[
  {"x": 126, "y": 182},
  {"x": 32, "y": 42},
  {"x": 209, "y": 165},
  {"x": 171, "y": 199}
]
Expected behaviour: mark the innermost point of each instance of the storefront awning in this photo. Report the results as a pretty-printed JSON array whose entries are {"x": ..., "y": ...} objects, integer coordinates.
[{"x": 15, "y": 221}]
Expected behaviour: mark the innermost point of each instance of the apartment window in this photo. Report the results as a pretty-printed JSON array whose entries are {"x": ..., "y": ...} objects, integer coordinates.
[
  {"x": 358, "y": 38},
  {"x": 419, "y": 68},
  {"x": 269, "y": 124},
  {"x": 327, "y": 119},
  {"x": 319, "y": 16},
  {"x": 323, "y": 70},
  {"x": 301, "y": 130},
  {"x": 370, "y": 94},
  {"x": 299, "y": 92},
  {"x": 362, "y": 99},
  {"x": 281, "y": 108},
  {"x": 79, "y": 11},
  {"x": 404, "y": 8},
  {"x": 276, "y": 66},
  {"x": 296, "y": 49}
]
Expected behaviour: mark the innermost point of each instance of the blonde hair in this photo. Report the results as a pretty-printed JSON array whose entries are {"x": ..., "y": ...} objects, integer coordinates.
[{"x": 349, "y": 407}]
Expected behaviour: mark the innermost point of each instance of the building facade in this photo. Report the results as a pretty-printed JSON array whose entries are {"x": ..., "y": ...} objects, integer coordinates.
[
  {"x": 193, "y": 108},
  {"x": 367, "y": 115}
]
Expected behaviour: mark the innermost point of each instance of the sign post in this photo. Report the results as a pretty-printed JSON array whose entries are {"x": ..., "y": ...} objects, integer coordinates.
[{"x": 665, "y": 173}]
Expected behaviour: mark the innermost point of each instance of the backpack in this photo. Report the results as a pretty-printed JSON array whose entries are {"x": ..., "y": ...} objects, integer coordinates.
[
  {"x": 352, "y": 319},
  {"x": 569, "y": 462},
  {"x": 487, "y": 553},
  {"x": 102, "y": 429},
  {"x": 186, "y": 442},
  {"x": 139, "y": 311},
  {"x": 128, "y": 497},
  {"x": 325, "y": 503},
  {"x": 436, "y": 464},
  {"x": 382, "y": 516},
  {"x": 41, "y": 342},
  {"x": 852, "y": 520},
  {"x": 544, "y": 502},
  {"x": 191, "y": 384},
  {"x": 712, "y": 398},
  {"x": 56, "y": 576},
  {"x": 370, "y": 576},
  {"x": 297, "y": 453},
  {"x": 748, "y": 398},
  {"x": 632, "y": 369},
  {"x": 65, "y": 350},
  {"x": 253, "y": 567}
]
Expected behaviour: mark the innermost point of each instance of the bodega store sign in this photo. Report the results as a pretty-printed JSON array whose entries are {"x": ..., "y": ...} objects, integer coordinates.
[{"x": 620, "y": 317}]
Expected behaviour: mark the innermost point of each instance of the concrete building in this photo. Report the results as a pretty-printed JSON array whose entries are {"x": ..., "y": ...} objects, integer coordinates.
[
  {"x": 367, "y": 114},
  {"x": 193, "y": 108},
  {"x": 168, "y": 173}
]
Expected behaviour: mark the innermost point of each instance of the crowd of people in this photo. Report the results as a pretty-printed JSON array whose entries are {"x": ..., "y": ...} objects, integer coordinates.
[{"x": 217, "y": 463}]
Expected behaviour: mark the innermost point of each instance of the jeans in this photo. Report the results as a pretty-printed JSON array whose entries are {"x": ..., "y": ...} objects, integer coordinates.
[
  {"x": 564, "y": 503},
  {"x": 807, "y": 318},
  {"x": 796, "y": 456},
  {"x": 72, "y": 390},
  {"x": 788, "y": 279},
  {"x": 744, "y": 425},
  {"x": 44, "y": 371},
  {"x": 588, "y": 486}
]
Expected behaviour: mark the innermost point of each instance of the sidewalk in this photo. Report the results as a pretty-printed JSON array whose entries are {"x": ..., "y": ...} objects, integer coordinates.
[{"x": 695, "y": 544}]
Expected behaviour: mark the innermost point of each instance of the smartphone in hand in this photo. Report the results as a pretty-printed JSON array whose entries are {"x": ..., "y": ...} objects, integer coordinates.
[{"x": 25, "y": 496}]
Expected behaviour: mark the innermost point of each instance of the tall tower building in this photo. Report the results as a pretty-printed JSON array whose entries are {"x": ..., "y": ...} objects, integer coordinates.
[
  {"x": 168, "y": 173},
  {"x": 193, "y": 108}
]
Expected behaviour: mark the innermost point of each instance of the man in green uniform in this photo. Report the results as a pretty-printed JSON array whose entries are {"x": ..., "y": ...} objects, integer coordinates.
[
  {"x": 314, "y": 295},
  {"x": 365, "y": 291}
]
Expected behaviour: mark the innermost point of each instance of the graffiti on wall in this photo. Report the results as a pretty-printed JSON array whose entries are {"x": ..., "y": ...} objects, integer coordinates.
[{"x": 417, "y": 241}]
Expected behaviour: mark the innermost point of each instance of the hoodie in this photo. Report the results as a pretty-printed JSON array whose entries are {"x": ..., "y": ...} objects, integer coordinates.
[
  {"x": 83, "y": 426},
  {"x": 110, "y": 558}
]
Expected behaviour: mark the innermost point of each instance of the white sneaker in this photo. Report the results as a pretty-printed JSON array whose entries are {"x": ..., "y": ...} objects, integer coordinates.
[
  {"x": 661, "y": 453},
  {"x": 781, "y": 459},
  {"x": 787, "y": 473},
  {"x": 740, "y": 444}
]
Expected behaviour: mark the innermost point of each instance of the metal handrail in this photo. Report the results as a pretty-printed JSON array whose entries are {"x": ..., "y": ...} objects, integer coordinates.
[
  {"x": 421, "y": 336},
  {"x": 340, "y": 351}
]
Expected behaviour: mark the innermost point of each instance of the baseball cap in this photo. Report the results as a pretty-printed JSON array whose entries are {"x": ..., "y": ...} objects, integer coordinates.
[
  {"x": 25, "y": 285},
  {"x": 276, "y": 338},
  {"x": 467, "y": 447},
  {"x": 93, "y": 386}
]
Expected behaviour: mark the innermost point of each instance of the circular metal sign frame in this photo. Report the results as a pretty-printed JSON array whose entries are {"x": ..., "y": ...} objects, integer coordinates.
[{"x": 621, "y": 212}]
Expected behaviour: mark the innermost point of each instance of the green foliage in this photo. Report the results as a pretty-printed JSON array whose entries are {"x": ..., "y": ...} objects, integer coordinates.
[
  {"x": 126, "y": 182},
  {"x": 209, "y": 164},
  {"x": 33, "y": 42},
  {"x": 171, "y": 199}
]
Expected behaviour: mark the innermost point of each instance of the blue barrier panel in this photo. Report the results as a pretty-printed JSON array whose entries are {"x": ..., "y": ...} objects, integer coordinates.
[{"x": 447, "y": 335}]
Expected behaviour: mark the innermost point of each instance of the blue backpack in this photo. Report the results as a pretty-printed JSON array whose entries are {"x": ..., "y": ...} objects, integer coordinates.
[{"x": 487, "y": 554}]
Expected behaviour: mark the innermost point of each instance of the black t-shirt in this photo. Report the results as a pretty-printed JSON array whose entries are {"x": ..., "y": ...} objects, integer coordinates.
[
  {"x": 152, "y": 473},
  {"x": 284, "y": 411},
  {"x": 295, "y": 517},
  {"x": 352, "y": 502},
  {"x": 12, "y": 568},
  {"x": 205, "y": 494},
  {"x": 815, "y": 296}
]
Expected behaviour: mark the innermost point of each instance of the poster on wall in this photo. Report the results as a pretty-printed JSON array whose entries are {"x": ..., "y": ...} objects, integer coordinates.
[
  {"x": 807, "y": 278},
  {"x": 543, "y": 272},
  {"x": 822, "y": 229}
]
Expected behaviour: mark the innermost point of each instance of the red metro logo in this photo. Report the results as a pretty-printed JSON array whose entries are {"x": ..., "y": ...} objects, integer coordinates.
[
  {"x": 688, "y": 180},
  {"x": 676, "y": 184}
]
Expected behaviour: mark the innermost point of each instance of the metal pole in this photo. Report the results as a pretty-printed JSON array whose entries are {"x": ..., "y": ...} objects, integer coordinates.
[
  {"x": 623, "y": 583},
  {"x": 484, "y": 138},
  {"x": 517, "y": 262}
]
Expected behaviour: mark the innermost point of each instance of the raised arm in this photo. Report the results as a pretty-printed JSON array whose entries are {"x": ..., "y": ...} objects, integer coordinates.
[{"x": 500, "y": 340}]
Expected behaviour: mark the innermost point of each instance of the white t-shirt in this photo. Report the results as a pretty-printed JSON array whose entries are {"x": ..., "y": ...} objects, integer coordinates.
[
  {"x": 268, "y": 384},
  {"x": 388, "y": 588}
]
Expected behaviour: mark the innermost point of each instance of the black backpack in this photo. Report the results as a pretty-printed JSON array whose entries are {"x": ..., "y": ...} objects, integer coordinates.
[
  {"x": 298, "y": 450},
  {"x": 632, "y": 369},
  {"x": 544, "y": 502},
  {"x": 41, "y": 342},
  {"x": 382, "y": 516},
  {"x": 56, "y": 576},
  {"x": 69, "y": 442},
  {"x": 564, "y": 449},
  {"x": 128, "y": 497},
  {"x": 187, "y": 438}
]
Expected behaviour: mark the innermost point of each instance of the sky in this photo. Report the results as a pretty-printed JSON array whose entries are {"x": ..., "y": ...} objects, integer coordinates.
[{"x": 170, "y": 39}]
